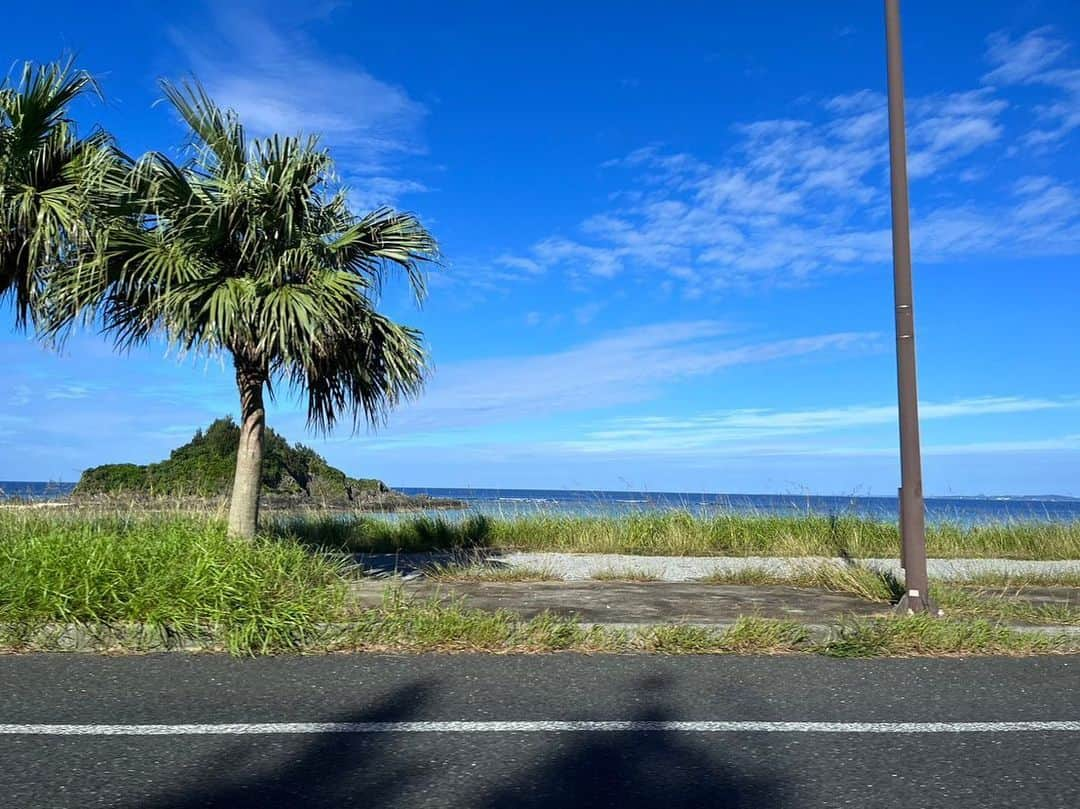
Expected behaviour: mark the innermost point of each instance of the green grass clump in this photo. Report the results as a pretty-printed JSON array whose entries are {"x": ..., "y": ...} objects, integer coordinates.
[
  {"x": 749, "y": 635},
  {"x": 404, "y": 624},
  {"x": 921, "y": 635},
  {"x": 374, "y": 535},
  {"x": 1001, "y": 604},
  {"x": 181, "y": 576},
  {"x": 765, "y": 636},
  {"x": 487, "y": 572},
  {"x": 680, "y": 533},
  {"x": 625, "y": 574},
  {"x": 859, "y": 581}
]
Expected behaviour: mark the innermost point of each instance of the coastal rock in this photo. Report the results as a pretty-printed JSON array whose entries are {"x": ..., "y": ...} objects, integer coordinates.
[{"x": 201, "y": 472}]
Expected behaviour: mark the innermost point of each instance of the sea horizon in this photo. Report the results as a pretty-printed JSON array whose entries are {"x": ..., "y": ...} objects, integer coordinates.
[
  {"x": 68, "y": 486},
  {"x": 516, "y": 502}
]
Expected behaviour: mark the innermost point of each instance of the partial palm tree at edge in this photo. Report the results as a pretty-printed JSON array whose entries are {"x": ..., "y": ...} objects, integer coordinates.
[
  {"x": 243, "y": 250},
  {"x": 46, "y": 171}
]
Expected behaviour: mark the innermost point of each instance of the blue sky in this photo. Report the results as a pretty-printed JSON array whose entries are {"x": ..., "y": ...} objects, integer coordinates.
[{"x": 665, "y": 230}]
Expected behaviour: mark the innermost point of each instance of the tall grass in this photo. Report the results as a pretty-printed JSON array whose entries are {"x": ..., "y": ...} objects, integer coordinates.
[
  {"x": 182, "y": 576},
  {"x": 680, "y": 533},
  {"x": 920, "y": 635},
  {"x": 863, "y": 582}
]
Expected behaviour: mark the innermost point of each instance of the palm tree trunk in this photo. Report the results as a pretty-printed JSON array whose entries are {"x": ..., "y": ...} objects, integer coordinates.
[{"x": 244, "y": 506}]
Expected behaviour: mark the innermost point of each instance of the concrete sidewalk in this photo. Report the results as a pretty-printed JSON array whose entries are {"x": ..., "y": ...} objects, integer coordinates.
[
  {"x": 627, "y": 605},
  {"x": 638, "y": 603},
  {"x": 584, "y": 566},
  {"x": 676, "y": 595}
]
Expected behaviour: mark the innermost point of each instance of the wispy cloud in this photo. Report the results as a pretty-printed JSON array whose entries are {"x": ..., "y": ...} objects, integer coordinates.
[
  {"x": 19, "y": 396},
  {"x": 278, "y": 81},
  {"x": 793, "y": 199},
  {"x": 1042, "y": 58},
  {"x": 68, "y": 392},
  {"x": 709, "y": 431},
  {"x": 628, "y": 366}
]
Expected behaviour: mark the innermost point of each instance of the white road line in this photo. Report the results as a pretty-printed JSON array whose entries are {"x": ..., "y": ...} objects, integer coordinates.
[{"x": 534, "y": 727}]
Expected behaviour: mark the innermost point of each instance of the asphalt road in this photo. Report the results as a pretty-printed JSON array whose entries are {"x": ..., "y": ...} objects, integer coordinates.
[{"x": 538, "y": 766}]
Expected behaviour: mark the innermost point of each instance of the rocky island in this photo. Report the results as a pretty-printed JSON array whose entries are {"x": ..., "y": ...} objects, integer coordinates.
[{"x": 201, "y": 472}]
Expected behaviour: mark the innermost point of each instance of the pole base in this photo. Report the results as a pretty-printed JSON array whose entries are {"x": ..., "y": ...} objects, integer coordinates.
[{"x": 909, "y": 605}]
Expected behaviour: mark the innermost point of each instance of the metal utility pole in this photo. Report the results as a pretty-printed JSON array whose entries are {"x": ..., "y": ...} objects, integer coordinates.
[{"x": 912, "y": 516}]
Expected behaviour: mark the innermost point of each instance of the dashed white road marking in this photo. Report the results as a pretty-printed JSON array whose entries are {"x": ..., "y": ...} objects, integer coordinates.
[{"x": 265, "y": 728}]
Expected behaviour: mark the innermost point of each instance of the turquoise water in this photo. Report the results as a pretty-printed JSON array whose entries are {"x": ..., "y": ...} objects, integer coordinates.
[{"x": 964, "y": 510}]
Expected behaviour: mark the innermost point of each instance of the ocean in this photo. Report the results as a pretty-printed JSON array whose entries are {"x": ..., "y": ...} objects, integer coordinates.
[{"x": 515, "y": 502}]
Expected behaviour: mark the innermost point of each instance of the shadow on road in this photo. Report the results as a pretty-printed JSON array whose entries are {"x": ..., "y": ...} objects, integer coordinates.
[
  {"x": 336, "y": 769},
  {"x": 629, "y": 770},
  {"x": 637, "y": 770}
]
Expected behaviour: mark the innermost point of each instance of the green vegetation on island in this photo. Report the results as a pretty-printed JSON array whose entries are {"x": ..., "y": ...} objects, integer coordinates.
[{"x": 206, "y": 465}]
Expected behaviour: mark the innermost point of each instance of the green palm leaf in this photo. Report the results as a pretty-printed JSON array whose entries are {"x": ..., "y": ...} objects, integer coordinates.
[{"x": 47, "y": 176}]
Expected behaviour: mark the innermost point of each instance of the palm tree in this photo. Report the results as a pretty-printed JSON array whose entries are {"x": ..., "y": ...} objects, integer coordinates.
[
  {"x": 244, "y": 250},
  {"x": 45, "y": 173}
]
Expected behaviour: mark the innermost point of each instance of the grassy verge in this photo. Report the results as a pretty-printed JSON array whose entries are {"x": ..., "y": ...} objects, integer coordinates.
[
  {"x": 921, "y": 636},
  {"x": 859, "y": 581},
  {"x": 999, "y": 599},
  {"x": 682, "y": 534},
  {"x": 181, "y": 577},
  {"x": 178, "y": 576},
  {"x": 998, "y": 604},
  {"x": 403, "y": 624}
]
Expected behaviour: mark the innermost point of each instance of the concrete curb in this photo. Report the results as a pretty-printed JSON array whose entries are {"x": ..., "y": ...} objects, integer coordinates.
[
  {"x": 823, "y": 632},
  {"x": 141, "y": 639}
]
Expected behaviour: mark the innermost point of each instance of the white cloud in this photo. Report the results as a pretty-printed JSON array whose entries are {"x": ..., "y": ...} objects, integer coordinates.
[
  {"x": 1065, "y": 443},
  {"x": 627, "y": 366},
  {"x": 1039, "y": 58},
  {"x": 368, "y": 193},
  {"x": 526, "y": 265},
  {"x": 1061, "y": 443},
  {"x": 949, "y": 127},
  {"x": 280, "y": 83},
  {"x": 793, "y": 199},
  {"x": 19, "y": 396},
  {"x": 586, "y": 313},
  {"x": 68, "y": 392},
  {"x": 732, "y": 429}
]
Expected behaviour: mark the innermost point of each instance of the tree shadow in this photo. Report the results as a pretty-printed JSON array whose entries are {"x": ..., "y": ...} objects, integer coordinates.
[
  {"x": 578, "y": 770},
  {"x": 413, "y": 565},
  {"x": 325, "y": 774},
  {"x": 634, "y": 770},
  {"x": 406, "y": 534}
]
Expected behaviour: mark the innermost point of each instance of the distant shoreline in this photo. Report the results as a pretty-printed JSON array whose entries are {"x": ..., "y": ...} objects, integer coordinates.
[
  {"x": 16, "y": 488},
  {"x": 454, "y": 504}
]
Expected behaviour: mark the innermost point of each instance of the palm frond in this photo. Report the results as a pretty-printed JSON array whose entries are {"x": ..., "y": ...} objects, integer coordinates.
[
  {"x": 47, "y": 173},
  {"x": 388, "y": 236},
  {"x": 364, "y": 371},
  {"x": 217, "y": 135},
  {"x": 246, "y": 249}
]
